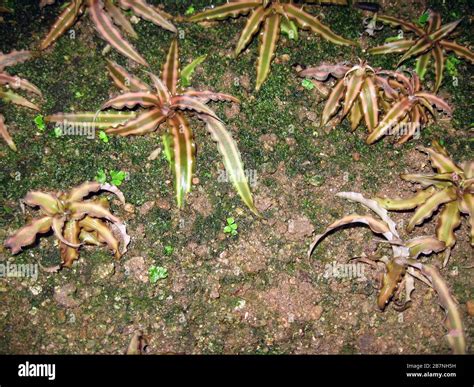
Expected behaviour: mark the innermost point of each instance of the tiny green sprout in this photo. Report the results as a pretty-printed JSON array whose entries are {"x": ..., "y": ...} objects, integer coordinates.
[
  {"x": 169, "y": 250},
  {"x": 190, "y": 10},
  {"x": 39, "y": 122},
  {"x": 289, "y": 28},
  {"x": 117, "y": 177},
  {"x": 57, "y": 132},
  {"x": 156, "y": 273},
  {"x": 78, "y": 95},
  {"x": 187, "y": 72},
  {"x": 452, "y": 65},
  {"x": 442, "y": 142},
  {"x": 231, "y": 227},
  {"x": 101, "y": 177},
  {"x": 103, "y": 137},
  {"x": 423, "y": 19},
  {"x": 307, "y": 84}
]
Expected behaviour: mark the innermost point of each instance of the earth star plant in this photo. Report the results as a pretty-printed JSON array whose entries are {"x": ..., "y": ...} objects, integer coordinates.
[
  {"x": 169, "y": 103},
  {"x": 8, "y": 82},
  {"x": 431, "y": 41},
  {"x": 270, "y": 17},
  {"x": 362, "y": 91},
  {"x": 106, "y": 16},
  {"x": 75, "y": 221},
  {"x": 403, "y": 267},
  {"x": 450, "y": 188}
]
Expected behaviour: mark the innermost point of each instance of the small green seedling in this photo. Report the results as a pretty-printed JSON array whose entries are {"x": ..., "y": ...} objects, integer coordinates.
[
  {"x": 117, "y": 177},
  {"x": 156, "y": 273},
  {"x": 423, "y": 19},
  {"x": 169, "y": 250},
  {"x": 101, "y": 176},
  {"x": 188, "y": 71},
  {"x": 452, "y": 65},
  {"x": 190, "y": 10},
  {"x": 103, "y": 137},
  {"x": 78, "y": 95},
  {"x": 57, "y": 132},
  {"x": 39, "y": 122},
  {"x": 307, "y": 84},
  {"x": 231, "y": 227}
]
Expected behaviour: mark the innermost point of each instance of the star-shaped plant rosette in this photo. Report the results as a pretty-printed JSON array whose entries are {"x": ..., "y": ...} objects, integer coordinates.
[
  {"x": 75, "y": 219},
  {"x": 8, "y": 82},
  {"x": 167, "y": 103},
  {"x": 269, "y": 16},
  {"x": 430, "y": 41},
  {"x": 451, "y": 188},
  {"x": 106, "y": 16}
]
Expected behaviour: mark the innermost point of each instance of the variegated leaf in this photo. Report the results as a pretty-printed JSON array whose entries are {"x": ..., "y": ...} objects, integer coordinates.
[
  {"x": 123, "y": 79},
  {"x": 459, "y": 50},
  {"x": 449, "y": 219},
  {"x": 25, "y": 236},
  {"x": 401, "y": 45},
  {"x": 183, "y": 156},
  {"x": 5, "y": 135},
  {"x": 430, "y": 206},
  {"x": 147, "y": 12},
  {"x": 232, "y": 161},
  {"x": 253, "y": 25},
  {"x": 333, "y": 102},
  {"x": 111, "y": 34},
  {"x": 424, "y": 245},
  {"x": 224, "y": 11},
  {"x": 170, "y": 73},
  {"x": 99, "y": 120},
  {"x": 368, "y": 100},
  {"x": 269, "y": 38},
  {"x": 406, "y": 204},
  {"x": 71, "y": 234},
  {"x": 132, "y": 99},
  {"x": 146, "y": 122}
]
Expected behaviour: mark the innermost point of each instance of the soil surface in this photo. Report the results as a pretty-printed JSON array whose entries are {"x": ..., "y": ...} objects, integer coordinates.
[{"x": 256, "y": 292}]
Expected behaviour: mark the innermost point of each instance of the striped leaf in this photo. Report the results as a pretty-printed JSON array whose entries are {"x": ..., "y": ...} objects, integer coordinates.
[
  {"x": 430, "y": 206},
  {"x": 251, "y": 28},
  {"x": 393, "y": 116},
  {"x": 368, "y": 100},
  {"x": 441, "y": 161},
  {"x": 182, "y": 157},
  {"x": 449, "y": 219},
  {"x": 184, "y": 102},
  {"x": 48, "y": 203},
  {"x": 390, "y": 282},
  {"x": 164, "y": 94},
  {"x": 25, "y": 236},
  {"x": 444, "y": 31},
  {"x": 132, "y": 99},
  {"x": 119, "y": 18},
  {"x": 269, "y": 38},
  {"x": 414, "y": 124},
  {"x": 71, "y": 233},
  {"x": 224, "y": 11},
  {"x": 123, "y": 79},
  {"x": 147, "y": 12},
  {"x": 170, "y": 73},
  {"x": 425, "y": 180},
  {"x": 57, "y": 227},
  {"x": 377, "y": 226},
  {"x": 356, "y": 115},
  {"x": 111, "y": 34},
  {"x": 65, "y": 20},
  {"x": 306, "y": 21},
  {"x": 16, "y": 99},
  {"x": 100, "y": 120},
  {"x": 467, "y": 207},
  {"x": 206, "y": 96},
  {"x": 439, "y": 65},
  {"x": 146, "y": 122},
  {"x": 333, "y": 102},
  {"x": 407, "y": 26},
  {"x": 456, "y": 336},
  {"x": 424, "y": 245},
  {"x": 392, "y": 47},
  {"x": 420, "y": 46},
  {"x": 459, "y": 50},
  {"x": 354, "y": 84},
  {"x": 96, "y": 225},
  {"x": 406, "y": 204},
  {"x": 18, "y": 83},
  {"x": 232, "y": 161}
]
